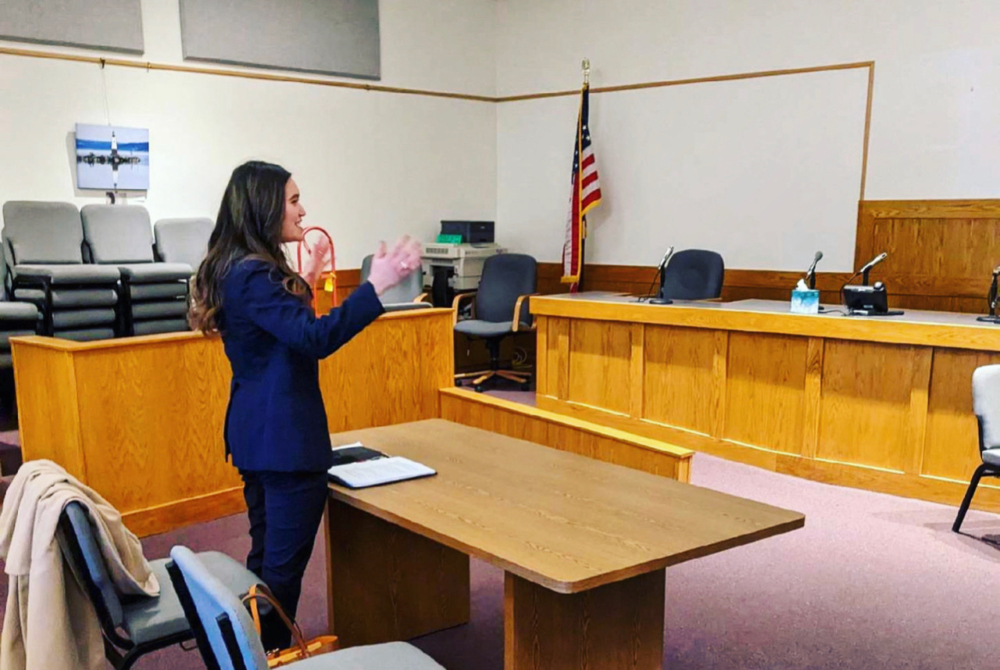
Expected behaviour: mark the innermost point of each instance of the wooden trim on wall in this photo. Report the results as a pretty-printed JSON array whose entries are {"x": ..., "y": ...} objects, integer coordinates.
[
  {"x": 315, "y": 81},
  {"x": 695, "y": 80},
  {"x": 241, "y": 74}
]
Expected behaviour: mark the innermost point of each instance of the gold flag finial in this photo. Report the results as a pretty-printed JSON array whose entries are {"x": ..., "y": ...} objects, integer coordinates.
[{"x": 586, "y": 71}]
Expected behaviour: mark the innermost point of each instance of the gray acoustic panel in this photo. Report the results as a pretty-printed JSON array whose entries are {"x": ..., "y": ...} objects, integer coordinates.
[
  {"x": 338, "y": 37},
  {"x": 110, "y": 25}
]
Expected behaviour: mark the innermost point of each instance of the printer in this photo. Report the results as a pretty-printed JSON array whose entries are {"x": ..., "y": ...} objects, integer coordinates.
[{"x": 454, "y": 263}]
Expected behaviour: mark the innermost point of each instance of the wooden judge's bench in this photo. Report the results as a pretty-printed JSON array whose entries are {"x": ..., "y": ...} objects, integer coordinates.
[{"x": 881, "y": 403}]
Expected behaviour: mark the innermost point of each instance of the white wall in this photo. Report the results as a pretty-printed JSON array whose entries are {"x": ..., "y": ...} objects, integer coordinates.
[
  {"x": 370, "y": 165},
  {"x": 935, "y": 130}
]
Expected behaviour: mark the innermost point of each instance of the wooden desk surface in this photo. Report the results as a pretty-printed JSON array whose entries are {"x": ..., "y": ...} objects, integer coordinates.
[
  {"x": 560, "y": 520},
  {"x": 916, "y": 327}
]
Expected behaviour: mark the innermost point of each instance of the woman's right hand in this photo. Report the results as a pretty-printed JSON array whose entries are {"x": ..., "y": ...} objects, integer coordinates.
[{"x": 391, "y": 267}]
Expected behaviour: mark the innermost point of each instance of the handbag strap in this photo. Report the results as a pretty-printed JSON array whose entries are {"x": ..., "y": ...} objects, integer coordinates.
[{"x": 261, "y": 592}]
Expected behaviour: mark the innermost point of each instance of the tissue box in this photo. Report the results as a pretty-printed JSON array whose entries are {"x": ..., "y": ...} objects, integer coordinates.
[{"x": 805, "y": 302}]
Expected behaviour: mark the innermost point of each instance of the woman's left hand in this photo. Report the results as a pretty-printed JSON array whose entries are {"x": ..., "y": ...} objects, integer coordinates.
[{"x": 316, "y": 262}]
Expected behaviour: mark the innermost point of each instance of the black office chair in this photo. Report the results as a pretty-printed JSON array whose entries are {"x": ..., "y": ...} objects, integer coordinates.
[
  {"x": 693, "y": 274},
  {"x": 500, "y": 310},
  {"x": 986, "y": 406}
]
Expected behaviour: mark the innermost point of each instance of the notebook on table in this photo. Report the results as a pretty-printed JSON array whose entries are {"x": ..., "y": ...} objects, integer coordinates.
[{"x": 356, "y": 467}]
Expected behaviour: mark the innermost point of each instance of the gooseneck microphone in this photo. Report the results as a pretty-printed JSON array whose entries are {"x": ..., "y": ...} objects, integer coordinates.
[
  {"x": 659, "y": 273},
  {"x": 869, "y": 265},
  {"x": 811, "y": 272}
]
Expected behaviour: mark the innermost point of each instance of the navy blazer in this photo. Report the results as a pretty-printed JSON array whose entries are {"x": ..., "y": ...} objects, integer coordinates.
[{"x": 276, "y": 419}]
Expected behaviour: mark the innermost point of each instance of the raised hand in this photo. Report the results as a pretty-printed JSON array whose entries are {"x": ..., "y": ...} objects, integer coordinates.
[
  {"x": 319, "y": 255},
  {"x": 391, "y": 267}
]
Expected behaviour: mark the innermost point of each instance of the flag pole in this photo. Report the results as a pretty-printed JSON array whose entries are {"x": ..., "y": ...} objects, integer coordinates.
[{"x": 585, "y": 66}]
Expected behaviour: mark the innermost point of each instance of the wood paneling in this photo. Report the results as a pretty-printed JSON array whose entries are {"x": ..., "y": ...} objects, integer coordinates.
[
  {"x": 765, "y": 403},
  {"x": 677, "y": 361},
  {"x": 600, "y": 364},
  {"x": 46, "y": 380},
  {"x": 396, "y": 388},
  {"x": 140, "y": 419},
  {"x": 866, "y": 404},
  {"x": 951, "y": 446},
  {"x": 386, "y": 583},
  {"x": 941, "y": 253},
  {"x": 883, "y": 404},
  {"x": 565, "y": 433},
  {"x": 607, "y": 628}
]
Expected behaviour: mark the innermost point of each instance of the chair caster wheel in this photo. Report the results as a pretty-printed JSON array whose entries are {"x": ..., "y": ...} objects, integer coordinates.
[
  {"x": 458, "y": 382},
  {"x": 479, "y": 388}
]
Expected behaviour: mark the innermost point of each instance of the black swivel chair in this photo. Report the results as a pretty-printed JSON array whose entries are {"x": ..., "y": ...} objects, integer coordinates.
[
  {"x": 693, "y": 274},
  {"x": 500, "y": 310}
]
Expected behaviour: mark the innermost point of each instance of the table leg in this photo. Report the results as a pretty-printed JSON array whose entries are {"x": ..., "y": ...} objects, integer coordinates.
[
  {"x": 385, "y": 583},
  {"x": 613, "y": 627}
]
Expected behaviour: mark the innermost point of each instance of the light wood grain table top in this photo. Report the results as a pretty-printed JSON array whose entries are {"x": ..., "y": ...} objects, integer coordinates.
[{"x": 563, "y": 521}]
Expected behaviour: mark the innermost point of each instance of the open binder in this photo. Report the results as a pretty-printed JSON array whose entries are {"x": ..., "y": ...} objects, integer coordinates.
[{"x": 356, "y": 467}]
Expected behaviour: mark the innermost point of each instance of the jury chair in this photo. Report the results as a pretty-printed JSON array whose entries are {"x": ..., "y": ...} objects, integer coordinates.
[
  {"x": 43, "y": 251},
  {"x": 16, "y": 318},
  {"x": 153, "y": 295},
  {"x": 183, "y": 240},
  {"x": 499, "y": 309},
  {"x": 693, "y": 274},
  {"x": 133, "y": 626},
  {"x": 409, "y": 294},
  {"x": 986, "y": 407},
  {"x": 228, "y": 640}
]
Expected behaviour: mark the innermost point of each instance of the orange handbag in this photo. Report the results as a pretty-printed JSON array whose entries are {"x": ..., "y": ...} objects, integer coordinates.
[
  {"x": 326, "y": 282},
  {"x": 303, "y": 648}
]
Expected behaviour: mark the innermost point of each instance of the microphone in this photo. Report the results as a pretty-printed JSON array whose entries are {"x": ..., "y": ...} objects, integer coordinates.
[
  {"x": 996, "y": 271},
  {"x": 873, "y": 262},
  {"x": 665, "y": 259},
  {"x": 811, "y": 272},
  {"x": 659, "y": 273}
]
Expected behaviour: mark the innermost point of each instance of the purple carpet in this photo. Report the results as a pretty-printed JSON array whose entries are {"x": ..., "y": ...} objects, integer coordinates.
[{"x": 872, "y": 581}]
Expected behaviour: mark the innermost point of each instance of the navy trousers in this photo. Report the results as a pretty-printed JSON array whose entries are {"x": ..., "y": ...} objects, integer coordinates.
[{"x": 285, "y": 510}]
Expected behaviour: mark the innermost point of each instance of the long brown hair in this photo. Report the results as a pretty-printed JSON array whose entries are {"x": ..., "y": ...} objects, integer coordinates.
[{"x": 248, "y": 226}]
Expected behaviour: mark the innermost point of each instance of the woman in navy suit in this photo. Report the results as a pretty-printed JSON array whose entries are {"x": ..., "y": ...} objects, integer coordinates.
[{"x": 276, "y": 427}]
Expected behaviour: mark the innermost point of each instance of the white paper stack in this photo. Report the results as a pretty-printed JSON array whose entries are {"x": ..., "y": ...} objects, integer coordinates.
[{"x": 378, "y": 471}]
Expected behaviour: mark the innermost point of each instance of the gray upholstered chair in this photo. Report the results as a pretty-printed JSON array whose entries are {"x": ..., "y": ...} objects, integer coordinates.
[
  {"x": 43, "y": 248},
  {"x": 227, "y": 638},
  {"x": 407, "y": 295},
  {"x": 500, "y": 309},
  {"x": 183, "y": 240},
  {"x": 16, "y": 318},
  {"x": 136, "y": 625},
  {"x": 986, "y": 406},
  {"x": 153, "y": 294}
]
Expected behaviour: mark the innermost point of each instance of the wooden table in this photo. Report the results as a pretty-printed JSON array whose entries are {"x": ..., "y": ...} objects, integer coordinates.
[
  {"x": 583, "y": 545},
  {"x": 140, "y": 419},
  {"x": 881, "y": 403}
]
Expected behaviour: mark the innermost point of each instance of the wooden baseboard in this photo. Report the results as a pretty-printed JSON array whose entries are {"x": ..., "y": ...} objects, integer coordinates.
[
  {"x": 156, "y": 520},
  {"x": 921, "y": 487}
]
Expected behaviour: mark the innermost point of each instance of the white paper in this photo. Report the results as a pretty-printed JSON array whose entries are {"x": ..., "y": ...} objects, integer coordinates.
[{"x": 379, "y": 471}]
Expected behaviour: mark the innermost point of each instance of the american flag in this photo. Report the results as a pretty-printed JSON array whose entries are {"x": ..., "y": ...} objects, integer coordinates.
[{"x": 586, "y": 194}]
